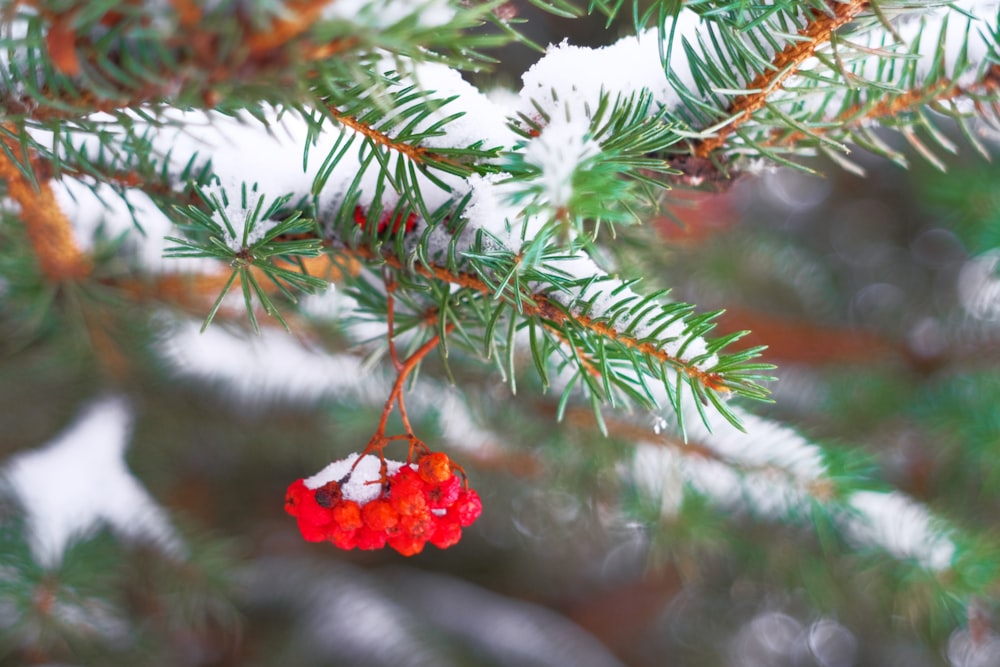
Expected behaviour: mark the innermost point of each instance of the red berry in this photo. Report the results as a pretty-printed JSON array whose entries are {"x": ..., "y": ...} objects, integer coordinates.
[
  {"x": 444, "y": 495},
  {"x": 408, "y": 500},
  {"x": 294, "y": 495},
  {"x": 361, "y": 219},
  {"x": 359, "y": 216},
  {"x": 420, "y": 526},
  {"x": 344, "y": 539},
  {"x": 446, "y": 533},
  {"x": 467, "y": 508},
  {"x": 369, "y": 539},
  {"x": 347, "y": 515},
  {"x": 435, "y": 467},
  {"x": 411, "y": 223},
  {"x": 423, "y": 502},
  {"x": 311, "y": 532},
  {"x": 300, "y": 501},
  {"x": 406, "y": 475}
]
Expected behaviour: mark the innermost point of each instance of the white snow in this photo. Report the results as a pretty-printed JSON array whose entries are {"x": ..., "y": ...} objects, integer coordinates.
[
  {"x": 899, "y": 525},
  {"x": 480, "y": 120},
  {"x": 662, "y": 472},
  {"x": 257, "y": 369},
  {"x": 382, "y": 14},
  {"x": 569, "y": 81},
  {"x": 365, "y": 482},
  {"x": 238, "y": 211},
  {"x": 558, "y": 152},
  {"x": 79, "y": 481},
  {"x": 764, "y": 443},
  {"x": 772, "y": 477}
]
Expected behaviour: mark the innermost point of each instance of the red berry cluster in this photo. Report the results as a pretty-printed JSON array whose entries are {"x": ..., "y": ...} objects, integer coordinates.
[
  {"x": 360, "y": 219},
  {"x": 421, "y": 503}
]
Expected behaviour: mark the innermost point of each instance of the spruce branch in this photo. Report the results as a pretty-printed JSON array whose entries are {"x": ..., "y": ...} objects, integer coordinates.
[
  {"x": 819, "y": 31},
  {"x": 258, "y": 244},
  {"x": 853, "y": 120},
  {"x": 622, "y": 353}
]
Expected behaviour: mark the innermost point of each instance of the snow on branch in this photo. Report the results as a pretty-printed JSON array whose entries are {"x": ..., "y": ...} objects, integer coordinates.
[
  {"x": 773, "y": 472},
  {"x": 78, "y": 482},
  {"x": 901, "y": 526}
]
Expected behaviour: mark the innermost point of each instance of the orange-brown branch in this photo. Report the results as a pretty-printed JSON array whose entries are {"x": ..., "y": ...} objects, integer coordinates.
[
  {"x": 49, "y": 230},
  {"x": 414, "y": 153},
  {"x": 785, "y": 63},
  {"x": 941, "y": 91}
]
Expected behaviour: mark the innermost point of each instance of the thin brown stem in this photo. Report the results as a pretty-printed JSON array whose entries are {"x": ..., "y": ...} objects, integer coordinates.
[
  {"x": 390, "y": 287},
  {"x": 379, "y": 440},
  {"x": 417, "y": 154},
  {"x": 397, "y": 388}
]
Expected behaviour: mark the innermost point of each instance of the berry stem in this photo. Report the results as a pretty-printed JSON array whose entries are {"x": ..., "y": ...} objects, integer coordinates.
[
  {"x": 403, "y": 369},
  {"x": 395, "y": 396},
  {"x": 390, "y": 287}
]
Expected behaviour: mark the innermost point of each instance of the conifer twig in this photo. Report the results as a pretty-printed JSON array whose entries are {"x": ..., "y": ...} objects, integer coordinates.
[
  {"x": 857, "y": 114},
  {"x": 417, "y": 154},
  {"x": 784, "y": 64},
  {"x": 539, "y": 305}
]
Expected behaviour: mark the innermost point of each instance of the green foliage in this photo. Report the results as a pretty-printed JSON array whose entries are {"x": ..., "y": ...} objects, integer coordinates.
[{"x": 257, "y": 245}]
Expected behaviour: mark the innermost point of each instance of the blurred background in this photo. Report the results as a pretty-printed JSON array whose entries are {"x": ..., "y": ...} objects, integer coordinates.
[{"x": 878, "y": 297}]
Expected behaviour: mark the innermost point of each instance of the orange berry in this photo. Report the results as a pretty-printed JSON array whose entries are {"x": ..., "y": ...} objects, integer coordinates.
[
  {"x": 435, "y": 468},
  {"x": 420, "y": 526},
  {"x": 378, "y": 515},
  {"x": 347, "y": 515},
  {"x": 408, "y": 501},
  {"x": 406, "y": 545}
]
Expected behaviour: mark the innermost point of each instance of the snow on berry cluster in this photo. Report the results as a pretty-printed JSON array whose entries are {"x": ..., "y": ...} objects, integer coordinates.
[{"x": 351, "y": 504}]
